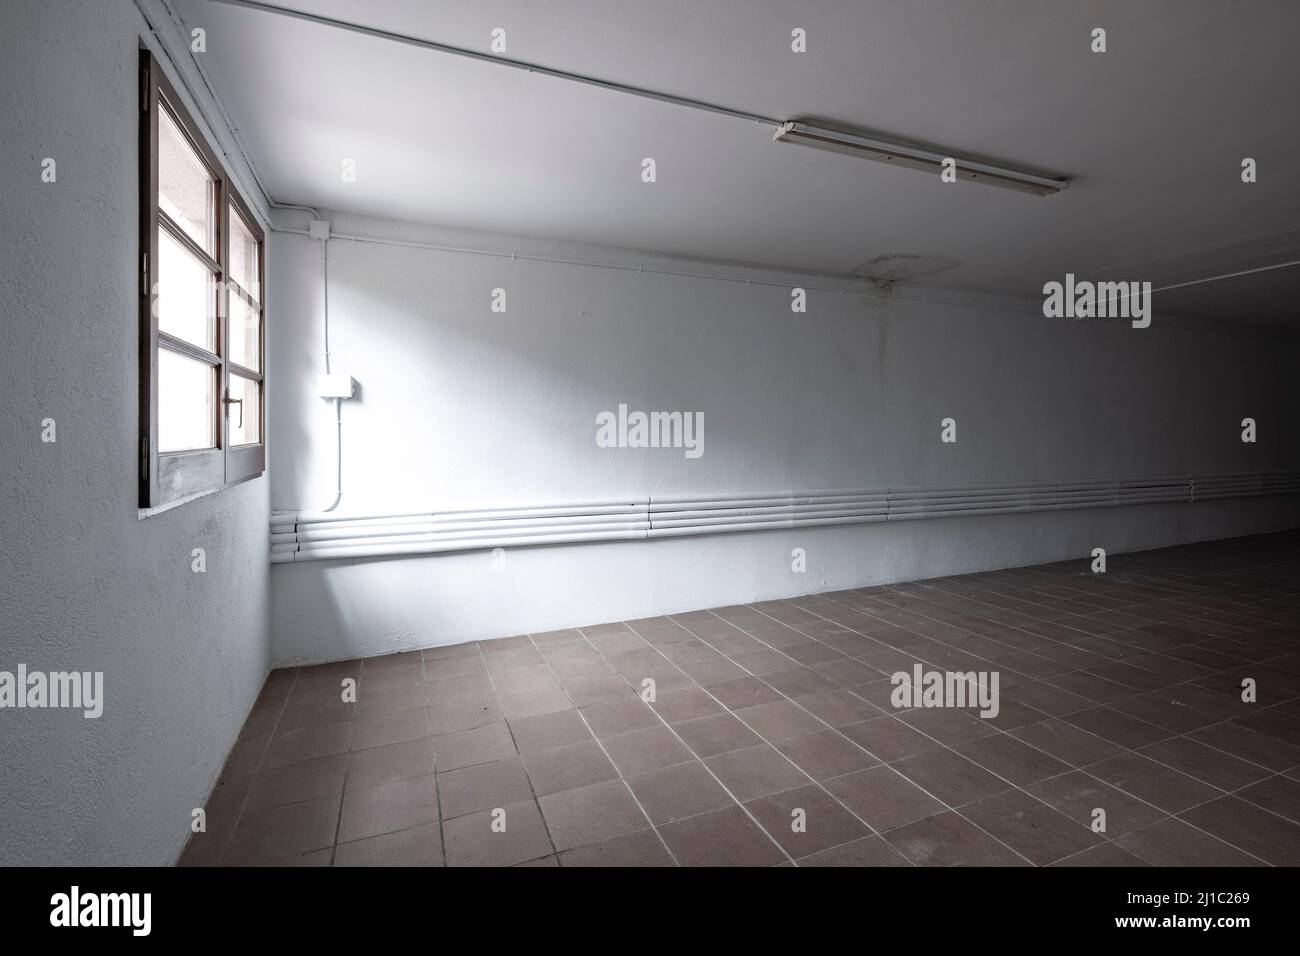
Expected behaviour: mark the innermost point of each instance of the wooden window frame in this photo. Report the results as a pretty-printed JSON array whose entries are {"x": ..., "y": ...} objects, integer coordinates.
[{"x": 165, "y": 477}]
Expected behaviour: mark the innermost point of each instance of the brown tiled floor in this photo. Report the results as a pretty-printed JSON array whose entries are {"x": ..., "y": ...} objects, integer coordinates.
[{"x": 772, "y": 739}]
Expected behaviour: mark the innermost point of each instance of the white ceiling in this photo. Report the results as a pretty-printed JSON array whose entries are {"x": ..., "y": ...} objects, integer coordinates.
[{"x": 1152, "y": 132}]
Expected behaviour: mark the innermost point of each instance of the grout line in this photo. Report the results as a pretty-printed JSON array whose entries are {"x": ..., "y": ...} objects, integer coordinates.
[
  {"x": 943, "y": 744},
  {"x": 728, "y": 710},
  {"x": 1161, "y": 810},
  {"x": 1166, "y": 595},
  {"x": 689, "y": 748},
  {"x": 1067, "y": 763},
  {"x": 546, "y": 827},
  {"x": 784, "y": 697},
  {"x": 914, "y": 783},
  {"x": 650, "y": 823},
  {"x": 437, "y": 774},
  {"x": 1102, "y": 658},
  {"x": 1088, "y": 849},
  {"x": 243, "y": 803}
]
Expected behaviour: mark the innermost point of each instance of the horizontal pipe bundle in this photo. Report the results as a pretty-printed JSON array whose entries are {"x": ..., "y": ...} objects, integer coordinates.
[{"x": 297, "y": 536}]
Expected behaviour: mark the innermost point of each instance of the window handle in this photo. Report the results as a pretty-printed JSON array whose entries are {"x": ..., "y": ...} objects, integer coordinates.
[{"x": 228, "y": 401}]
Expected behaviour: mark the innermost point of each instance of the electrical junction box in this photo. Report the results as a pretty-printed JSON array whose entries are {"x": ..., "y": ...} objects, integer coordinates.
[
  {"x": 318, "y": 229},
  {"x": 335, "y": 385}
]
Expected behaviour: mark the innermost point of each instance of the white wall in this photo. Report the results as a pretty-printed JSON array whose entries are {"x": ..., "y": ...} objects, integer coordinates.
[
  {"x": 85, "y": 583},
  {"x": 460, "y": 407}
]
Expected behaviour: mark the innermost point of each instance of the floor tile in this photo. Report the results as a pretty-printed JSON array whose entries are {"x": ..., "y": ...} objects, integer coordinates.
[
  {"x": 1280, "y": 795},
  {"x": 1011, "y": 759},
  {"x": 492, "y": 839},
  {"x": 591, "y": 814},
  {"x": 1050, "y": 700},
  {"x": 755, "y": 772},
  {"x": 1249, "y": 828},
  {"x": 762, "y": 661},
  {"x": 534, "y": 701},
  {"x": 390, "y": 702},
  {"x": 296, "y": 782},
  {"x": 883, "y": 798},
  {"x": 721, "y": 838},
  {"x": 797, "y": 681},
  {"x": 708, "y": 736},
  {"x": 223, "y": 808},
  {"x": 456, "y": 716},
  {"x": 474, "y": 688},
  {"x": 838, "y": 708},
  {"x": 1121, "y": 729},
  {"x": 1158, "y": 785},
  {"x": 643, "y": 848},
  {"x": 482, "y": 787},
  {"x": 395, "y": 805},
  {"x": 682, "y": 790},
  {"x": 564, "y": 768},
  {"x": 376, "y": 765},
  {"x": 445, "y": 651},
  {"x": 619, "y": 717},
  {"x": 686, "y": 704},
  {"x": 1030, "y": 827},
  {"x": 806, "y": 820},
  {"x": 546, "y": 731},
  {"x": 467, "y": 747},
  {"x": 418, "y": 846},
  {"x": 382, "y": 729},
  {"x": 663, "y": 679},
  {"x": 1173, "y": 843},
  {"x": 641, "y": 751},
  {"x": 780, "y": 720},
  {"x": 314, "y": 858},
  {"x": 308, "y": 743},
  {"x": 1104, "y": 854},
  {"x": 1165, "y": 709},
  {"x": 1206, "y": 764},
  {"x": 869, "y": 851},
  {"x": 950, "y": 777},
  {"x": 283, "y": 831},
  {"x": 826, "y": 754},
  {"x": 743, "y": 692},
  {"x": 1079, "y": 796},
  {"x": 1090, "y": 686},
  {"x": 889, "y": 738},
  {"x": 318, "y": 713},
  {"x": 1065, "y": 742},
  {"x": 1134, "y": 679},
  {"x": 947, "y": 840},
  {"x": 1251, "y": 745},
  {"x": 454, "y": 667},
  {"x": 584, "y": 691}
]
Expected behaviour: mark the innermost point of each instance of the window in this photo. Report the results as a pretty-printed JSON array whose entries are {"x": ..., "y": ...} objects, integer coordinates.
[{"x": 201, "y": 326}]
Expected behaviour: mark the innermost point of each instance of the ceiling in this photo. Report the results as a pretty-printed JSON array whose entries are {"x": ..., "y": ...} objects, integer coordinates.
[{"x": 1152, "y": 132}]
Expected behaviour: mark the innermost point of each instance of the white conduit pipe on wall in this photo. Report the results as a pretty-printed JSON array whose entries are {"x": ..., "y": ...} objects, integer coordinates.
[{"x": 298, "y": 536}]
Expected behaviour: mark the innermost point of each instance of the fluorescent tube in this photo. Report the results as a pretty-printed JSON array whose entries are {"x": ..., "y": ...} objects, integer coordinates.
[{"x": 913, "y": 157}]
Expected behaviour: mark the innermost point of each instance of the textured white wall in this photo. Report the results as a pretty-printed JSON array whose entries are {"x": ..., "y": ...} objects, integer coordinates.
[
  {"x": 85, "y": 584},
  {"x": 461, "y": 407}
]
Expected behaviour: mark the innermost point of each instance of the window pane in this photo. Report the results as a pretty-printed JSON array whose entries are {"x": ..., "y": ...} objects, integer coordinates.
[
  {"x": 185, "y": 302},
  {"x": 186, "y": 395},
  {"x": 249, "y": 431},
  {"x": 243, "y": 255},
  {"x": 185, "y": 189},
  {"x": 245, "y": 329}
]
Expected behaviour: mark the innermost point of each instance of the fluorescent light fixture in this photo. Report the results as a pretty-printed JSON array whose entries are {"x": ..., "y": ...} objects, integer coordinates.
[{"x": 913, "y": 157}]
